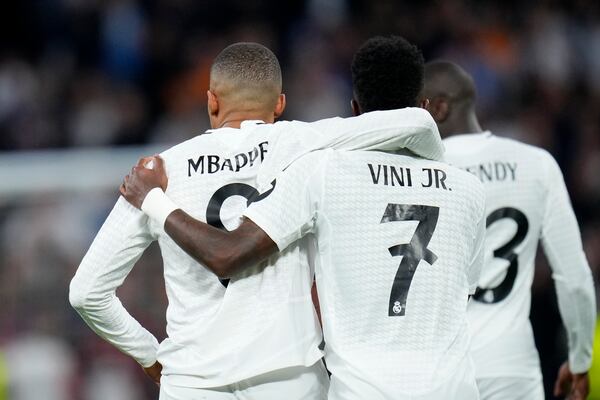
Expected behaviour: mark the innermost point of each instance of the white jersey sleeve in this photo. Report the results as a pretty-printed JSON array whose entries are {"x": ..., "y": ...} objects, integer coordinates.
[
  {"x": 118, "y": 245},
  {"x": 408, "y": 128},
  {"x": 474, "y": 270},
  {"x": 294, "y": 193},
  {"x": 561, "y": 241}
]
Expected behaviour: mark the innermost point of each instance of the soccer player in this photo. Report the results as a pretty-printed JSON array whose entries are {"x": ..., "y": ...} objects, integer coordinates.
[
  {"x": 399, "y": 246},
  {"x": 526, "y": 200},
  {"x": 257, "y": 338}
]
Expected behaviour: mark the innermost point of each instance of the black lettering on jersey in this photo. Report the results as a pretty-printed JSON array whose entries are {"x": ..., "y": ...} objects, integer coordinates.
[
  {"x": 263, "y": 150},
  {"x": 375, "y": 178},
  {"x": 435, "y": 178},
  {"x": 506, "y": 252},
  {"x": 213, "y": 211},
  {"x": 440, "y": 179},
  {"x": 513, "y": 170},
  {"x": 252, "y": 156},
  {"x": 227, "y": 164},
  {"x": 399, "y": 178},
  {"x": 497, "y": 171},
  {"x": 413, "y": 252},
  {"x": 392, "y": 176},
  {"x": 240, "y": 161},
  {"x": 213, "y": 163},
  {"x": 500, "y": 171},
  {"x": 484, "y": 173},
  {"x": 195, "y": 165}
]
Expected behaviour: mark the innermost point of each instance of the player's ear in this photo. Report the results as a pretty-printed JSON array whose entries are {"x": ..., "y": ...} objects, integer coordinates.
[
  {"x": 280, "y": 106},
  {"x": 212, "y": 104},
  {"x": 355, "y": 107},
  {"x": 439, "y": 108}
]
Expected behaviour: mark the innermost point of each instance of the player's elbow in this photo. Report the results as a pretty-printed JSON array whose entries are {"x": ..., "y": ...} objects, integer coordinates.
[
  {"x": 82, "y": 298},
  {"x": 77, "y": 297}
]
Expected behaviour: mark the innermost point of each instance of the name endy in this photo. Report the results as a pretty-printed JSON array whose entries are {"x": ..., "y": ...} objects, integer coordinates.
[
  {"x": 497, "y": 171},
  {"x": 212, "y": 163}
]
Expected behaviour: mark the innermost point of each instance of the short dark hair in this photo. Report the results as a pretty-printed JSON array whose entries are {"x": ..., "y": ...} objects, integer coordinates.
[
  {"x": 248, "y": 63},
  {"x": 387, "y": 73}
]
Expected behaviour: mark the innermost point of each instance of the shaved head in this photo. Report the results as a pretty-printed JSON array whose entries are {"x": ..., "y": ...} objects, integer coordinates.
[
  {"x": 444, "y": 78},
  {"x": 451, "y": 93},
  {"x": 246, "y": 76}
]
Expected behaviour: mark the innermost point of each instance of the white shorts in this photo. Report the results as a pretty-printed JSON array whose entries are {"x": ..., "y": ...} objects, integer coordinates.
[
  {"x": 510, "y": 388},
  {"x": 460, "y": 386},
  {"x": 294, "y": 383}
]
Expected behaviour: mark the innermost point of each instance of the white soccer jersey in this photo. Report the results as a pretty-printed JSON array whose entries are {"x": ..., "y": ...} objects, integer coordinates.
[
  {"x": 399, "y": 247},
  {"x": 526, "y": 201},
  {"x": 219, "y": 335}
]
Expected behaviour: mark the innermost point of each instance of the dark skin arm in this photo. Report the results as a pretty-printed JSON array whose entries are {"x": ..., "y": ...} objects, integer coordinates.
[
  {"x": 224, "y": 253},
  {"x": 571, "y": 386},
  {"x": 154, "y": 372}
]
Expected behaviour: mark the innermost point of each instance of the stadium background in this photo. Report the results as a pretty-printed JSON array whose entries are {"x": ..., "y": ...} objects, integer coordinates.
[{"x": 79, "y": 77}]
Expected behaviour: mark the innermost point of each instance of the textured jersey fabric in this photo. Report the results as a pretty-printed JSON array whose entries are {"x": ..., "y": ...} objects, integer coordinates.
[
  {"x": 376, "y": 218},
  {"x": 526, "y": 201},
  {"x": 218, "y": 336}
]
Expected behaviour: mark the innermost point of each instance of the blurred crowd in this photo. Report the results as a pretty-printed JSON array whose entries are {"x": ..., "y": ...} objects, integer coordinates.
[{"x": 90, "y": 73}]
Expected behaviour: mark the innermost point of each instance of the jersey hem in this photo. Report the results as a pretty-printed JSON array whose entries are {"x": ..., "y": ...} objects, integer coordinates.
[{"x": 191, "y": 381}]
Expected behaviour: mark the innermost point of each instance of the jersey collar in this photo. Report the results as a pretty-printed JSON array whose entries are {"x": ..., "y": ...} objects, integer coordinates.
[
  {"x": 251, "y": 122},
  {"x": 244, "y": 124}
]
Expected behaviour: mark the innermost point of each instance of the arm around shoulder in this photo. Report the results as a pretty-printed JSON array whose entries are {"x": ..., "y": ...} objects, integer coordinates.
[{"x": 224, "y": 253}]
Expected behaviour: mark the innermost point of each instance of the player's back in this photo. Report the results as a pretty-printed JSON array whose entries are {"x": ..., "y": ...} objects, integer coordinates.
[
  {"x": 220, "y": 335},
  {"x": 398, "y": 239},
  {"x": 518, "y": 181}
]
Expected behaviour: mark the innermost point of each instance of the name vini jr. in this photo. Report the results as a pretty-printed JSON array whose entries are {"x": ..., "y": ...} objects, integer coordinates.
[{"x": 389, "y": 175}]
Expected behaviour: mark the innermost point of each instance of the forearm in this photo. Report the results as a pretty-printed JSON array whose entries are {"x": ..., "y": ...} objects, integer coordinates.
[
  {"x": 118, "y": 245},
  {"x": 109, "y": 319},
  {"x": 561, "y": 240},
  {"x": 575, "y": 292},
  {"x": 224, "y": 253},
  {"x": 577, "y": 305},
  {"x": 204, "y": 243}
]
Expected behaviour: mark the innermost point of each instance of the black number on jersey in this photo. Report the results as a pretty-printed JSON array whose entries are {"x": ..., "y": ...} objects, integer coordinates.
[
  {"x": 413, "y": 252},
  {"x": 506, "y": 252},
  {"x": 213, "y": 211}
]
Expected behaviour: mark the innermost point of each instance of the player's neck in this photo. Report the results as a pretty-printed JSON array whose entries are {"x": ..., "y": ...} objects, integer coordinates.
[
  {"x": 234, "y": 120},
  {"x": 465, "y": 124}
]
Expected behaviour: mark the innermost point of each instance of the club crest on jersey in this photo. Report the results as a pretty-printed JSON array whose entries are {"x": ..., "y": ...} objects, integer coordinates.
[{"x": 397, "y": 309}]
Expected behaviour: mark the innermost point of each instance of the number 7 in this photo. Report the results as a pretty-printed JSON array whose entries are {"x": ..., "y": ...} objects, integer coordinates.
[{"x": 413, "y": 252}]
